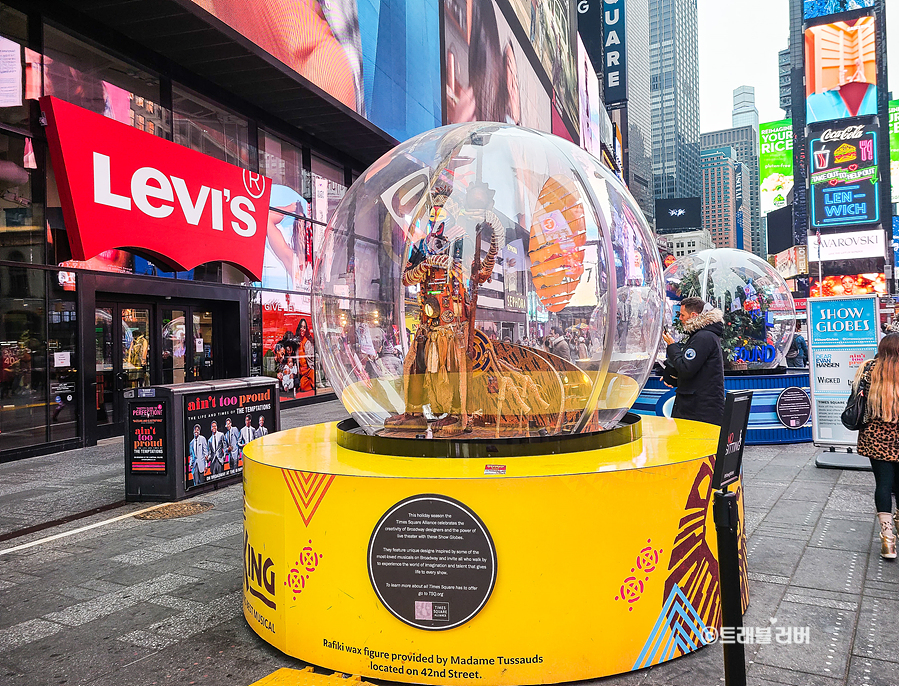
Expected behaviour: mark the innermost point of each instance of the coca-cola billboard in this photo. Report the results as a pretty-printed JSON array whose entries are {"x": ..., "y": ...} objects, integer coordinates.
[
  {"x": 845, "y": 184},
  {"x": 123, "y": 188}
]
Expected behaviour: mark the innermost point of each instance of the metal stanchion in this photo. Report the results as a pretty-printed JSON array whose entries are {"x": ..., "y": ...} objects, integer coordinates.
[
  {"x": 727, "y": 517},
  {"x": 725, "y": 508}
]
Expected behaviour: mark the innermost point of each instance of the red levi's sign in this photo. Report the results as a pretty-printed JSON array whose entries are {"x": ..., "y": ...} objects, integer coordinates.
[{"x": 123, "y": 188}]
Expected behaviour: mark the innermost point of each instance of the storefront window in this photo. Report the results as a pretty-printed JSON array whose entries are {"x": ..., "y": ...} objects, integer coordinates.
[
  {"x": 329, "y": 189},
  {"x": 13, "y": 36},
  {"x": 23, "y": 357},
  {"x": 21, "y": 230},
  {"x": 88, "y": 77},
  {"x": 211, "y": 130},
  {"x": 289, "y": 238}
]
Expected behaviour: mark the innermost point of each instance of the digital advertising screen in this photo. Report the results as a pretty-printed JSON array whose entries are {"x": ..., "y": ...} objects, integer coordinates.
[
  {"x": 775, "y": 165},
  {"x": 678, "y": 214},
  {"x": 378, "y": 58},
  {"x": 840, "y": 70},
  {"x": 844, "y": 180},
  {"x": 547, "y": 24},
  {"x": 590, "y": 103},
  {"x": 894, "y": 148},
  {"x": 848, "y": 284},
  {"x": 822, "y": 8},
  {"x": 488, "y": 76}
]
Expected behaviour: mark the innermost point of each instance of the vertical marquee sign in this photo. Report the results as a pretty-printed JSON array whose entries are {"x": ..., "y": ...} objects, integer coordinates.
[{"x": 843, "y": 333}]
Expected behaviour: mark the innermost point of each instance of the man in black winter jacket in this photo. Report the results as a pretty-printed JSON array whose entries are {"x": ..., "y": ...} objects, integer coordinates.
[{"x": 696, "y": 365}]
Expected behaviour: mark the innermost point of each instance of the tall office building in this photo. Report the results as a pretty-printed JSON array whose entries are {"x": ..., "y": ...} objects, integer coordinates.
[
  {"x": 633, "y": 116},
  {"x": 744, "y": 141},
  {"x": 784, "y": 81},
  {"x": 724, "y": 214},
  {"x": 673, "y": 44},
  {"x": 745, "y": 112}
]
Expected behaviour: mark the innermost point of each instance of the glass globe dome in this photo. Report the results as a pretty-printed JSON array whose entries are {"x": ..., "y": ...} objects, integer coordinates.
[
  {"x": 487, "y": 281},
  {"x": 759, "y": 314}
]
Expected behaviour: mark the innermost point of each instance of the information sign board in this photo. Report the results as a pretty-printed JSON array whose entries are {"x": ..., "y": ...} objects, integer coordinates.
[{"x": 843, "y": 333}]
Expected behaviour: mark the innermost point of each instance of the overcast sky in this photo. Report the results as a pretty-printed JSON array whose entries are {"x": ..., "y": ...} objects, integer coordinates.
[{"x": 738, "y": 45}]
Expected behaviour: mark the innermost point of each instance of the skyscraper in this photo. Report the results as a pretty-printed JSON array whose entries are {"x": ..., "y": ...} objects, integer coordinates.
[
  {"x": 633, "y": 116},
  {"x": 673, "y": 46},
  {"x": 744, "y": 140},
  {"x": 724, "y": 214},
  {"x": 745, "y": 112},
  {"x": 783, "y": 78}
]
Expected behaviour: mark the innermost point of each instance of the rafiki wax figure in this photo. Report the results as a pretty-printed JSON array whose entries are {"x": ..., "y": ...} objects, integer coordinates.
[{"x": 437, "y": 366}]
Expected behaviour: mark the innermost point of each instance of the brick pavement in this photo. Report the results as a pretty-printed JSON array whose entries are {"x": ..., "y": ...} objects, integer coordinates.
[{"x": 149, "y": 602}]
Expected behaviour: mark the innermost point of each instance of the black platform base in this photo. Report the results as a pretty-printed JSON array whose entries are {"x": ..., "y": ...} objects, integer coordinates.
[{"x": 842, "y": 460}]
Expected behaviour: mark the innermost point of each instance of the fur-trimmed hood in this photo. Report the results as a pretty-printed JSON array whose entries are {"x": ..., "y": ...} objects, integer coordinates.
[{"x": 714, "y": 319}]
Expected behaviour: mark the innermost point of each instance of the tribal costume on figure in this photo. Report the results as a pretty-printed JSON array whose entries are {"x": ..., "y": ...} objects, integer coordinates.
[{"x": 437, "y": 368}]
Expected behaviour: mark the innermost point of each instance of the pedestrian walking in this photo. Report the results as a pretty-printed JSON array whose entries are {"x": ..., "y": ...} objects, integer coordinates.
[
  {"x": 797, "y": 355},
  {"x": 696, "y": 366},
  {"x": 878, "y": 439},
  {"x": 559, "y": 346}
]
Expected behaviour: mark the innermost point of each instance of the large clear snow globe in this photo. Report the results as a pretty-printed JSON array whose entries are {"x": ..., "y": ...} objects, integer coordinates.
[
  {"x": 487, "y": 281},
  {"x": 759, "y": 314}
]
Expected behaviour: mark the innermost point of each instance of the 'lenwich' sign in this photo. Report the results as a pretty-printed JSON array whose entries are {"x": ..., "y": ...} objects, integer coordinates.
[{"x": 123, "y": 188}]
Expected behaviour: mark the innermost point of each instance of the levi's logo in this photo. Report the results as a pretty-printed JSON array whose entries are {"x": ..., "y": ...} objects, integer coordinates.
[
  {"x": 122, "y": 188},
  {"x": 156, "y": 194}
]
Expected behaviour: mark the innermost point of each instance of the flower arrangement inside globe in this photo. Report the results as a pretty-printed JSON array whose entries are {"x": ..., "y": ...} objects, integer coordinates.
[
  {"x": 759, "y": 314},
  {"x": 487, "y": 281}
]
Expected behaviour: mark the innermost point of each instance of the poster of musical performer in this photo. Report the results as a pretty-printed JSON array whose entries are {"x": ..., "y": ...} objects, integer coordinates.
[{"x": 288, "y": 347}]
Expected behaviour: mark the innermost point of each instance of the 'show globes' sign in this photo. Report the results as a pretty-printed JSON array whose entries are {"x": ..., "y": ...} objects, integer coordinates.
[{"x": 123, "y": 188}]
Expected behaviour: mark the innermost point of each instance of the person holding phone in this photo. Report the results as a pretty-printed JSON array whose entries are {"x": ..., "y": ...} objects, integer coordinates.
[{"x": 696, "y": 366}]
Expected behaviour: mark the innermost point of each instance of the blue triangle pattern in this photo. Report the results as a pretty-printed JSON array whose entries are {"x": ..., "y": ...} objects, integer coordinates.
[{"x": 679, "y": 627}]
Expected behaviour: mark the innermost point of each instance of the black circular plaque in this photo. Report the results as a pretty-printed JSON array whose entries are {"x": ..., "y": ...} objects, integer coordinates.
[
  {"x": 432, "y": 562},
  {"x": 793, "y": 407}
]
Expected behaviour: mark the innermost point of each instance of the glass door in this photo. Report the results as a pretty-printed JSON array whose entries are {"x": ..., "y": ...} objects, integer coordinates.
[
  {"x": 174, "y": 346},
  {"x": 103, "y": 338},
  {"x": 203, "y": 369},
  {"x": 123, "y": 358}
]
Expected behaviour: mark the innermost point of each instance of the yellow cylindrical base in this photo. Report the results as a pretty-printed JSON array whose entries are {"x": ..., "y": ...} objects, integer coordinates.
[{"x": 605, "y": 559}]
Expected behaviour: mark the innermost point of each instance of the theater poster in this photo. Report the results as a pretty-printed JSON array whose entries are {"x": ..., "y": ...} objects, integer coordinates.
[
  {"x": 217, "y": 427},
  {"x": 288, "y": 346}
]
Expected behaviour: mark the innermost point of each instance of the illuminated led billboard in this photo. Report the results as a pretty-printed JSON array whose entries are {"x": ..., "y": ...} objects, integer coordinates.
[
  {"x": 488, "y": 75},
  {"x": 823, "y": 8},
  {"x": 894, "y": 148},
  {"x": 840, "y": 70},
  {"x": 775, "y": 165},
  {"x": 844, "y": 180},
  {"x": 378, "y": 58}
]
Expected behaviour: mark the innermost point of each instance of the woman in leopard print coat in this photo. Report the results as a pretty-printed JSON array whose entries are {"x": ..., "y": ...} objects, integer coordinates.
[{"x": 878, "y": 438}]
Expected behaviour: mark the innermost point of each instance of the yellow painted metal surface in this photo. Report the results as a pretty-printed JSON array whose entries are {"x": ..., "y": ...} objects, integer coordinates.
[
  {"x": 306, "y": 677},
  {"x": 606, "y": 560},
  {"x": 314, "y": 449}
]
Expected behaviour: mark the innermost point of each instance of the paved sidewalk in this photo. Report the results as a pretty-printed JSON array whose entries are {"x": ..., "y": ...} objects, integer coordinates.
[{"x": 159, "y": 602}]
